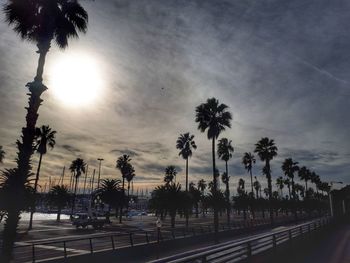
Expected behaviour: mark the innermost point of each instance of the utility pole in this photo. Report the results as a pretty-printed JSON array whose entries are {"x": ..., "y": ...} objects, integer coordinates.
[{"x": 99, "y": 172}]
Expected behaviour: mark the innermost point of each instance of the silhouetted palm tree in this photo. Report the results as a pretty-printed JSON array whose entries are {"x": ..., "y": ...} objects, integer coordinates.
[
  {"x": 304, "y": 175},
  {"x": 41, "y": 22},
  {"x": 248, "y": 160},
  {"x": 267, "y": 150},
  {"x": 77, "y": 167},
  {"x": 202, "y": 185},
  {"x": 214, "y": 118},
  {"x": 110, "y": 192},
  {"x": 257, "y": 187},
  {"x": 315, "y": 179},
  {"x": 170, "y": 174},
  {"x": 124, "y": 166},
  {"x": 59, "y": 196},
  {"x": 225, "y": 151},
  {"x": 288, "y": 184},
  {"x": 2, "y": 154},
  {"x": 45, "y": 137},
  {"x": 280, "y": 184},
  {"x": 289, "y": 167},
  {"x": 185, "y": 143}
]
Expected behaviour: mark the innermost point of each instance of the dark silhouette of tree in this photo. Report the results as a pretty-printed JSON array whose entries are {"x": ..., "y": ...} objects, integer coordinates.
[
  {"x": 267, "y": 150},
  {"x": 288, "y": 184},
  {"x": 280, "y": 184},
  {"x": 257, "y": 187},
  {"x": 195, "y": 195},
  {"x": 78, "y": 167},
  {"x": 315, "y": 179},
  {"x": 14, "y": 188},
  {"x": 59, "y": 196},
  {"x": 170, "y": 174},
  {"x": 110, "y": 193},
  {"x": 225, "y": 151},
  {"x": 304, "y": 175},
  {"x": 124, "y": 166},
  {"x": 214, "y": 118},
  {"x": 201, "y": 185},
  {"x": 289, "y": 167},
  {"x": 2, "y": 154},
  {"x": 129, "y": 177},
  {"x": 248, "y": 160},
  {"x": 40, "y": 22},
  {"x": 185, "y": 143},
  {"x": 44, "y": 137}
]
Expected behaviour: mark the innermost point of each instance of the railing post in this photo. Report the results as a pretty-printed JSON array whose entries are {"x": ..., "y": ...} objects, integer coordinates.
[
  {"x": 91, "y": 248},
  {"x": 274, "y": 243},
  {"x": 249, "y": 249},
  {"x": 147, "y": 238},
  {"x": 301, "y": 230},
  {"x": 64, "y": 249},
  {"x": 131, "y": 240},
  {"x": 309, "y": 228},
  {"x": 290, "y": 234},
  {"x": 33, "y": 253},
  {"x": 112, "y": 240},
  {"x": 204, "y": 259}
]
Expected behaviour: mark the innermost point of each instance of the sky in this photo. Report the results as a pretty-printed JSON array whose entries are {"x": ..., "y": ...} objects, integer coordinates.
[{"x": 281, "y": 66}]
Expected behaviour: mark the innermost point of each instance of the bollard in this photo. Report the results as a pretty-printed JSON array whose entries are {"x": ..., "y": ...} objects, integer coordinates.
[
  {"x": 112, "y": 240},
  {"x": 64, "y": 249},
  {"x": 274, "y": 243},
  {"x": 33, "y": 252},
  {"x": 91, "y": 248}
]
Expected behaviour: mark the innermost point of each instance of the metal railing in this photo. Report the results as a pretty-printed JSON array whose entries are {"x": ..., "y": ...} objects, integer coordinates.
[
  {"x": 237, "y": 251},
  {"x": 63, "y": 248}
]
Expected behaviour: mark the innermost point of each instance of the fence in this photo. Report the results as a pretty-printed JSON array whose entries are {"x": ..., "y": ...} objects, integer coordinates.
[
  {"x": 237, "y": 251},
  {"x": 63, "y": 248}
]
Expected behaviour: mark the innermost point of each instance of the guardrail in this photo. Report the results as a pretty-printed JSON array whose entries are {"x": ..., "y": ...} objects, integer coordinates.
[
  {"x": 237, "y": 251},
  {"x": 64, "y": 248}
]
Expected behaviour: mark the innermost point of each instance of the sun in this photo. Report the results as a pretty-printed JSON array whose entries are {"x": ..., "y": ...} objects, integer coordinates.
[{"x": 75, "y": 80}]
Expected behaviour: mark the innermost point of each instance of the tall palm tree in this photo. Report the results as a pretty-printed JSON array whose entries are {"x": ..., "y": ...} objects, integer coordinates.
[
  {"x": 289, "y": 167},
  {"x": 44, "y": 137},
  {"x": 315, "y": 179},
  {"x": 214, "y": 118},
  {"x": 202, "y": 185},
  {"x": 110, "y": 193},
  {"x": 257, "y": 187},
  {"x": 304, "y": 175},
  {"x": 124, "y": 166},
  {"x": 2, "y": 154},
  {"x": 280, "y": 184},
  {"x": 40, "y": 22},
  {"x": 170, "y": 174},
  {"x": 225, "y": 150},
  {"x": 185, "y": 143},
  {"x": 288, "y": 184},
  {"x": 248, "y": 160},
  {"x": 130, "y": 176},
  {"x": 267, "y": 150},
  {"x": 78, "y": 167},
  {"x": 59, "y": 196}
]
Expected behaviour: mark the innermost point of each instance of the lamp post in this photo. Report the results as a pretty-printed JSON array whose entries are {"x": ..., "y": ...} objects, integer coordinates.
[
  {"x": 99, "y": 172},
  {"x": 330, "y": 196}
]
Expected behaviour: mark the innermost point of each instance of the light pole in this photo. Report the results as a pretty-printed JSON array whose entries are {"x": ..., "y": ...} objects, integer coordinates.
[
  {"x": 99, "y": 172},
  {"x": 330, "y": 196}
]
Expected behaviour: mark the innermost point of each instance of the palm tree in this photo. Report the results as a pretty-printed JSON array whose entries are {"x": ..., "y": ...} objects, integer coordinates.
[
  {"x": 248, "y": 160},
  {"x": 59, "y": 196},
  {"x": 289, "y": 167},
  {"x": 2, "y": 154},
  {"x": 124, "y": 166},
  {"x": 130, "y": 176},
  {"x": 110, "y": 193},
  {"x": 185, "y": 143},
  {"x": 241, "y": 186},
  {"x": 280, "y": 184},
  {"x": 304, "y": 175},
  {"x": 77, "y": 167},
  {"x": 40, "y": 22},
  {"x": 288, "y": 184},
  {"x": 170, "y": 174},
  {"x": 214, "y": 118},
  {"x": 299, "y": 189},
  {"x": 315, "y": 179},
  {"x": 202, "y": 185},
  {"x": 257, "y": 187},
  {"x": 225, "y": 151},
  {"x": 267, "y": 150},
  {"x": 45, "y": 137}
]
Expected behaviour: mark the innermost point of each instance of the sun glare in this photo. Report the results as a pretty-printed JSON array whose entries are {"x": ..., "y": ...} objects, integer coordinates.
[{"x": 75, "y": 80}]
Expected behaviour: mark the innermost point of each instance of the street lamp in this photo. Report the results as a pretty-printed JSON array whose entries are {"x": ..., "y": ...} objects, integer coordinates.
[
  {"x": 99, "y": 172},
  {"x": 330, "y": 196}
]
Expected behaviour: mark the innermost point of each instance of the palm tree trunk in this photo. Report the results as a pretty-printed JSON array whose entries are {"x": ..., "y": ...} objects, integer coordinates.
[
  {"x": 216, "y": 215},
  {"x": 227, "y": 197},
  {"x": 251, "y": 181},
  {"x": 294, "y": 200},
  {"x": 25, "y": 148},
  {"x": 122, "y": 203},
  {"x": 186, "y": 191},
  {"x": 269, "y": 183},
  {"x": 35, "y": 191},
  {"x": 59, "y": 209},
  {"x": 74, "y": 196}
]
